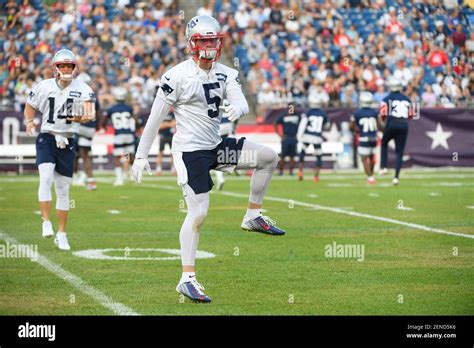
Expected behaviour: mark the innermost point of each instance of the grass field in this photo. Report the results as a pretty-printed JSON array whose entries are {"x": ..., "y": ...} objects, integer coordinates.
[{"x": 406, "y": 269}]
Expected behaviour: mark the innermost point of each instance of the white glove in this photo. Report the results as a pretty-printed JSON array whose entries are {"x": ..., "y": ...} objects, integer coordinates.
[
  {"x": 61, "y": 142},
  {"x": 137, "y": 169},
  {"x": 232, "y": 112}
]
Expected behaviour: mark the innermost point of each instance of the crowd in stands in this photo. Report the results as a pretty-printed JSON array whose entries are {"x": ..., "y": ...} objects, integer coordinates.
[
  {"x": 334, "y": 49},
  {"x": 119, "y": 43},
  {"x": 287, "y": 50}
]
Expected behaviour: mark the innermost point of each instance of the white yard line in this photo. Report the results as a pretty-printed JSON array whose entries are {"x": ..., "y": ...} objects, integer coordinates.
[
  {"x": 78, "y": 283},
  {"x": 336, "y": 210}
]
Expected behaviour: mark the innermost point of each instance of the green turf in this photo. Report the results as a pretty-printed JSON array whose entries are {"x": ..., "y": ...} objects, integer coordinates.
[{"x": 253, "y": 273}]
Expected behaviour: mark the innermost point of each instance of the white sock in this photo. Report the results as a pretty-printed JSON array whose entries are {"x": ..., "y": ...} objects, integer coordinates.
[
  {"x": 187, "y": 276},
  {"x": 253, "y": 213},
  {"x": 118, "y": 173}
]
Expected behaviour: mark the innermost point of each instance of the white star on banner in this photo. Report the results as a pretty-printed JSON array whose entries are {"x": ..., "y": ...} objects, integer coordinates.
[{"x": 439, "y": 137}]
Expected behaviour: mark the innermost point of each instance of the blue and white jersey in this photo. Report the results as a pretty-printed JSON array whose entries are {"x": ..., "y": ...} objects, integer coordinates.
[
  {"x": 121, "y": 116},
  {"x": 290, "y": 124},
  {"x": 312, "y": 125},
  {"x": 396, "y": 106},
  {"x": 366, "y": 123},
  {"x": 167, "y": 132},
  {"x": 56, "y": 104}
]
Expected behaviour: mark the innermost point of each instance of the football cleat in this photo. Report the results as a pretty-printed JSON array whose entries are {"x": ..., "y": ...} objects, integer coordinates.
[
  {"x": 395, "y": 181},
  {"x": 61, "y": 241},
  {"x": 91, "y": 186},
  {"x": 383, "y": 171},
  {"x": 261, "y": 224},
  {"x": 316, "y": 178},
  {"x": 371, "y": 180},
  {"x": 193, "y": 290},
  {"x": 118, "y": 183},
  {"x": 47, "y": 229}
]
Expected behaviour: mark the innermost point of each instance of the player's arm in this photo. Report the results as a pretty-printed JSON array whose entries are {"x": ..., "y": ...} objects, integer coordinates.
[
  {"x": 302, "y": 127},
  {"x": 238, "y": 105},
  {"x": 275, "y": 126},
  {"x": 29, "y": 114}
]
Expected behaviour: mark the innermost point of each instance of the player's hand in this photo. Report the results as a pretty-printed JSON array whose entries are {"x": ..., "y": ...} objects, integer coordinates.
[
  {"x": 232, "y": 112},
  {"x": 137, "y": 169},
  {"x": 30, "y": 128}
]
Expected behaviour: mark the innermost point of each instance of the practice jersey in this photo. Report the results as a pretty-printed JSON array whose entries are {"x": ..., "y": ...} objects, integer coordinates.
[
  {"x": 366, "y": 123},
  {"x": 396, "y": 106},
  {"x": 167, "y": 132},
  {"x": 196, "y": 96},
  {"x": 312, "y": 125},
  {"x": 121, "y": 116},
  {"x": 56, "y": 104},
  {"x": 289, "y": 124}
]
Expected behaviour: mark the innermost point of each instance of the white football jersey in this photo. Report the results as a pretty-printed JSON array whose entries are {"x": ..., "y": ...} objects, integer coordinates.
[
  {"x": 196, "y": 96},
  {"x": 56, "y": 104}
]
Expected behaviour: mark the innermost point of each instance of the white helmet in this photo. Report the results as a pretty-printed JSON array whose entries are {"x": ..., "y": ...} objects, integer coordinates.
[
  {"x": 315, "y": 101},
  {"x": 204, "y": 27},
  {"x": 394, "y": 84},
  {"x": 366, "y": 99},
  {"x": 84, "y": 77},
  {"x": 119, "y": 93},
  {"x": 64, "y": 56}
]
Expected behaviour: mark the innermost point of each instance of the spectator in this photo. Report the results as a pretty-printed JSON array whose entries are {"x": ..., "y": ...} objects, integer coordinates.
[{"x": 428, "y": 98}]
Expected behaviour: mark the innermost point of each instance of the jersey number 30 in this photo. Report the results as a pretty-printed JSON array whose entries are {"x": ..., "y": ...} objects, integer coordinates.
[{"x": 216, "y": 100}]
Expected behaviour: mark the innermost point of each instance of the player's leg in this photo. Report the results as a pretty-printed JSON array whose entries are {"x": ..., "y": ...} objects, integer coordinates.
[
  {"x": 283, "y": 154},
  {"x": 85, "y": 153},
  {"x": 220, "y": 180},
  {"x": 46, "y": 175},
  {"x": 118, "y": 153},
  {"x": 304, "y": 147},
  {"x": 61, "y": 185},
  {"x": 319, "y": 161},
  {"x": 400, "y": 141},
  {"x": 263, "y": 160},
  {"x": 387, "y": 136},
  {"x": 198, "y": 205},
  {"x": 292, "y": 152},
  {"x": 317, "y": 168}
]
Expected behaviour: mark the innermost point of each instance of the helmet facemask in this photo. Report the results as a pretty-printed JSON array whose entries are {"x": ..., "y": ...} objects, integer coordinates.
[
  {"x": 64, "y": 77},
  {"x": 206, "y": 47}
]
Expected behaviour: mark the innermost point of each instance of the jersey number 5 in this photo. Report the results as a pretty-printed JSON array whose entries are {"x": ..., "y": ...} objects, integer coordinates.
[{"x": 216, "y": 100}]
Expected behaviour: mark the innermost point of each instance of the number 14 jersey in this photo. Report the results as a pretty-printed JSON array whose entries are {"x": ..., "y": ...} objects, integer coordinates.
[{"x": 56, "y": 104}]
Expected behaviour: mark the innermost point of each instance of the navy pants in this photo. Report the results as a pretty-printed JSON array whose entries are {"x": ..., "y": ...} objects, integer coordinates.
[{"x": 397, "y": 130}]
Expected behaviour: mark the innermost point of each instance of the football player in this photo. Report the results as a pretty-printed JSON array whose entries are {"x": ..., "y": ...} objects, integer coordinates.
[
  {"x": 123, "y": 122},
  {"x": 290, "y": 123},
  {"x": 310, "y": 133},
  {"x": 365, "y": 122},
  {"x": 84, "y": 145},
  {"x": 396, "y": 110},
  {"x": 167, "y": 129},
  {"x": 64, "y": 102},
  {"x": 195, "y": 89}
]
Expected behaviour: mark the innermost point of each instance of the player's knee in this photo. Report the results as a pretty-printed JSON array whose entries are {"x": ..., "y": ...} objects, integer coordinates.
[
  {"x": 267, "y": 158},
  {"x": 44, "y": 190},
  {"x": 199, "y": 221},
  {"x": 62, "y": 184}
]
